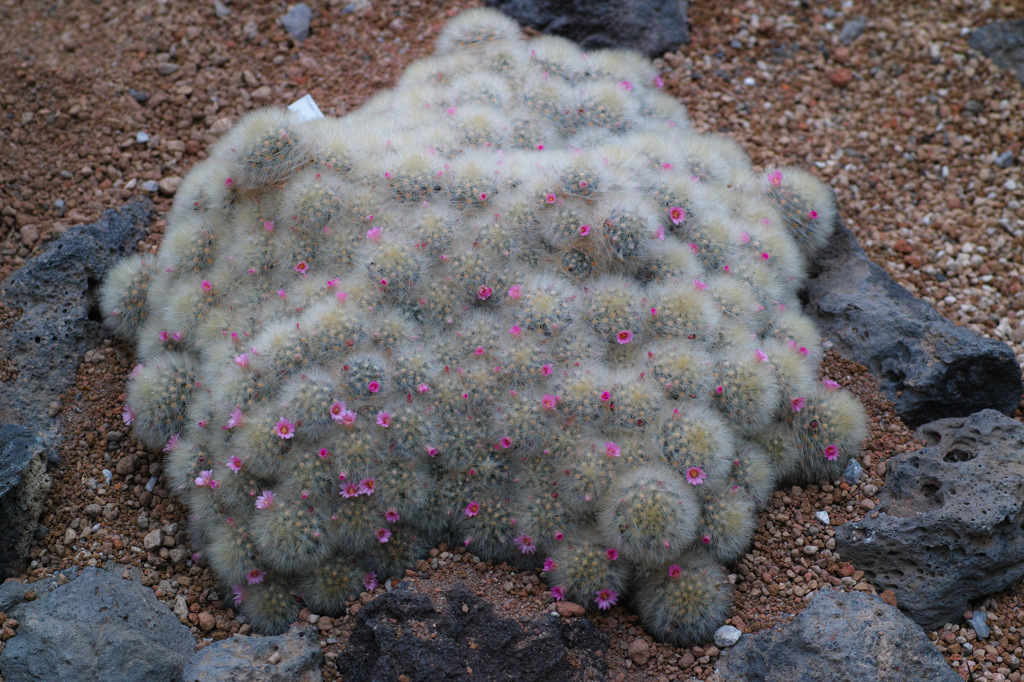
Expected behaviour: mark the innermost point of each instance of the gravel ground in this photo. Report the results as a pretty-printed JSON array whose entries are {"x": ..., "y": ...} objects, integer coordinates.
[{"x": 904, "y": 122}]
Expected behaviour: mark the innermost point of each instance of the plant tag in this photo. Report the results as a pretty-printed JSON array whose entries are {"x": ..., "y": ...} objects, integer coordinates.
[{"x": 306, "y": 109}]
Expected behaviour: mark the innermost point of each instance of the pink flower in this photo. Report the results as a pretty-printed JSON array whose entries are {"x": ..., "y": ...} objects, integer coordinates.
[
  {"x": 765, "y": 256},
  {"x": 797, "y": 404},
  {"x": 525, "y": 544},
  {"x": 658, "y": 83},
  {"x": 392, "y": 515},
  {"x": 172, "y": 444},
  {"x": 204, "y": 478},
  {"x": 282, "y": 294},
  {"x": 660, "y": 233},
  {"x": 506, "y": 443},
  {"x": 237, "y": 595},
  {"x": 235, "y": 419},
  {"x": 695, "y": 475},
  {"x": 432, "y": 451},
  {"x": 625, "y": 85},
  {"x": 546, "y": 369},
  {"x": 515, "y": 291},
  {"x": 484, "y": 292},
  {"x": 266, "y": 500},
  {"x": 284, "y": 428},
  {"x": 829, "y": 384},
  {"x": 370, "y": 582},
  {"x": 383, "y": 535},
  {"x": 472, "y": 509},
  {"x": 605, "y": 396},
  {"x": 268, "y": 225},
  {"x": 233, "y": 463},
  {"x": 667, "y": 166},
  {"x": 383, "y": 419},
  {"x": 242, "y": 360},
  {"x": 373, "y": 234},
  {"x": 624, "y": 337},
  {"x": 706, "y": 539},
  {"x": 478, "y": 351},
  {"x": 337, "y": 409},
  {"x": 761, "y": 355},
  {"x": 373, "y": 387},
  {"x": 255, "y": 576},
  {"x": 550, "y": 198},
  {"x": 699, "y": 284},
  {"x": 775, "y": 178},
  {"x": 744, "y": 238},
  {"x": 301, "y": 267},
  {"x": 207, "y": 287},
  {"x": 611, "y": 449},
  {"x": 350, "y": 489},
  {"x": 831, "y": 452},
  {"x": 229, "y": 182},
  {"x": 611, "y": 553},
  {"x": 584, "y": 230},
  {"x": 347, "y": 417},
  {"x": 803, "y": 351},
  {"x": 549, "y": 564},
  {"x": 136, "y": 370},
  {"x": 515, "y": 330},
  {"x": 548, "y": 402},
  {"x": 677, "y": 215},
  {"x": 719, "y": 390},
  {"x": 367, "y": 486},
  {"x": 674, "y": 571},
  {"x": 606, "y": 599},
  {"x": 422, "y": 388},
  {"x": 812, "y": 214},
  {"x": 127, "y": 415},
  {"x": 341, "y": 296},
  {"x": 323, "y": 453},
  {"x": 176, "y": 336},
  {"x": 214, "y": 484}
]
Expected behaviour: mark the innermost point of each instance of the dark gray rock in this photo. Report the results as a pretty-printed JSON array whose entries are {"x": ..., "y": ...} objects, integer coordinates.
[
  {"x": 927, "y": 366},
  {"x": 949, "y": 522},
  {"x": 296, "y": 21},
  {"x": 848, "y": 636},
  {"x": 853, "y": 472},
  {"x": 649, "y": 26},
  {"x": 98, "y": 627},
  {"x": 57, "y": 293},
  {"x": 295, "y": 656},
  {"x": 852, "y": 30},
  {"x": 24, "y": 484},
  {"x": 977, "y": 622},
  {"x": 400, "y": 633},
  {"x": 1003, "y": 43}
]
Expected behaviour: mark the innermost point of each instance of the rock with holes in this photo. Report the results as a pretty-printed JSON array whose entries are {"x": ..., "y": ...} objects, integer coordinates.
[
  {"x": 292, "y": 657},
  {"x": 928, "y": 367},
  {"x": 949, "y": 522}
]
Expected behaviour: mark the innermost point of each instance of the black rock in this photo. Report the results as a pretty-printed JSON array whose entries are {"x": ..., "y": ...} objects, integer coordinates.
[
  {"x": 927, "y": 366},
  {"x": 949, "y": 522},
  {"x": 57, "y": 293},
  {"x": 849, "y": 636},
  {"x": 298, "y": 651},
  {"x": 650, "y": 26},
  {"x": 97, "y": 628},
  {"x": 1003, "y": 43},
  {"x": 23, "y": 488},
  {"x": 400, "y": 633}
]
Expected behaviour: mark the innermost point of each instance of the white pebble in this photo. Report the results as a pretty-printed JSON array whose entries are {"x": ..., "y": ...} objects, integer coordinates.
[
  {"x": 822, "y": 516},
  {"x": 1010, "y": 185},
  {"x": 141, "y": 137},
  {"x": 749, "y": 81},
  {"x": 727, "y": 635}
]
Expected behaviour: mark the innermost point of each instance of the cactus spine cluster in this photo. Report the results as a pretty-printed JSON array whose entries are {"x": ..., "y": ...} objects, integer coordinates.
[{"x": 517, "y": 302}]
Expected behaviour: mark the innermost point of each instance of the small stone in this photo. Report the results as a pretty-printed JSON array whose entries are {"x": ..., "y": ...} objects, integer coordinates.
[
  {"x": 140, "y": 96},
  {"x": 867, "y": 504},
  {"x": 126, "y": 465},
  {"x": 221, "y": 126},
  {"x": 70, "y": 536},
  {"x": 150, "y": 186},
  {"x": 841, "y": 77},
  {"x": 29, "y": 234},
  {"x": 166, "y": 69},
  {"x": 726, "y": 636},
  {"x": 846, "y": 569},
  {"x": 114, "y": 436},
  {"x": 220, "y": 9},
  {"x": 639, "y": 651},
  {"x": 169, "y": 185},
  {"x": 822, "y": 516},
  {"x": 853, "y": 472},
  {"x": 93, "y": 510},
  {"x": 262, "y": 93},
  {"x": 568, "y": 609},
  {"x": 152, "y": 540},
  {"x": 141, "y": 137},
  {"x": 810, "y": 549},
  {"x": 977, "y": 621},
  {"x": 181, "y": 608},
  {"x": 296, "y": 21},
  {"x": 841, "y": 54},
  {"x": 686, "y": 660},
  {"x": 852, "y": 30},
  {"x": 889, "y": 597},
  {"x": 206, "y": 621},
  {"x": 1005, "y": 160}
]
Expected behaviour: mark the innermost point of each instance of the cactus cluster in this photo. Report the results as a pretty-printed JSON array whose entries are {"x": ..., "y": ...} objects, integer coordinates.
[{"x": 516, "y": 302}]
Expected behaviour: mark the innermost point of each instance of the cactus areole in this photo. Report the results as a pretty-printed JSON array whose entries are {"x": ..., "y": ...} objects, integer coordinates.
[{"x": 516, "y": 303}]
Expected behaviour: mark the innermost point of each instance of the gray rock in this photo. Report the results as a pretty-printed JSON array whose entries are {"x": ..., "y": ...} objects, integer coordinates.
[
  {"x": 151, "y": 186},
  {"x": 295, "y": 656},
  {"x": 853, "y": 472},
  {"x": 849, "y": 636},
  {"x": 24, "y": 484},
  {"x": 220, "y": 9},
  {"x": 852, "y": 30},
  {"x": 1003, "y": 43},
  {"x": 650, "y": 26},
  {"x": 927, "y": 366},
  {"x": 383, "y": 645},
  {"x": 142, "y": 137},
  {"x": 58, "y": 292},
  {"x": 949, "y": 522},
  {"x": 1005, "y": 160},
  {"x": 98, "y": 627},
  {"x": 726, "y": 636},
  {"x": 296, "y": 21},
  {"x": 977, "y": 622}
]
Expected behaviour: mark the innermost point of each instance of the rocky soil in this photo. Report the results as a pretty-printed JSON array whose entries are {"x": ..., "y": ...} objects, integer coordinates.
[{"x": 919, "y": 136}]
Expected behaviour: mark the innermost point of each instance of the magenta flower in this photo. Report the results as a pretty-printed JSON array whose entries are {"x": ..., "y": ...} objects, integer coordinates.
[
  {"x": 422, "y": 388},
  {"x": 606, "y": 599},
  {"x": 373, "y": 387},
  {"x": 127, "y": 414},
  {"x": 812, "y": 214},
  {"x": 695, "y": 475},
  {"x": 206, "y": 286},
  {"x": 558, "y": 593},
  {"x": 674, "y": 571},
  {"x": 699, "y": 284},
  {"x": 829, "y": 384},
  {"x": 229, "y": 182},
  {"x": 242, "y": 360},
  {"x": 611, "y": 449},
  {"x": 392, "y": 515},
  {"x": 548, "y": 401},
  {"x": 550, "y": 198},
  {"x": 775, "y": 178},
  {"x": 370, "y": 582},
  {"x": 136, "y": 370},
  {"x": 584, "y": 230},
  {"x": 282, "y": 294},
  {"x": 659, "y": 233},
  {"x": 525, "y": 544},
  {"x": 676, "y": 215},
  {"x": 706, "y": 539},
  {"x": 350, "y": 489},
  {"x": 624, "y": 337},
  {"x": 341, "y": 296},
  {"x": 659, "y": 83},
  {"x": 237, "y": 595},
  {"x": 506, "y": 443},
  {"x": 233, "y": 463},
  {"x": 549, "y": 564},
  {"x": 625, "y": 85},
  {"x": 484, "y": 292},
  {"x": 268, "y": 225},
  {"x": 611, "y": 553},
  {"x": 367, "y": 486},
  {"x": 284, "y": 428},
  {"x": 719, "y": 390},
  {"x": 546, "y": 369},
  {"x": 204, "y": 478},
  {"x": 472, "y": 509},
  {"x": 176, "y": 336},
  {"x": 266, "y": 500},
  {"x": 479, "y": 351},
  {"x": 336, "y": 409},
  {"x": 235, "y": 419},
  {"x": 172, "y": 444},
  {"x": 373, "y": 234},
  {"x": 383, "y": 535},
  {"x": 559, "y": 536},
  {"x": 255, "y": 576},
  {"x": 605, "y": 396},
  {"x": 761, "y": 355},
  {"x": 432, "y": 451},
  {"x": 515, "y": 330},
  {"x": 383, "y": 419},
  {"x": 797, "y": 404},
  {"x": 515, "y": 291},
  {"x": 323, "y": 453},
  {"x": 831, "y": 452},
  {"x": 301, "y": 267}
]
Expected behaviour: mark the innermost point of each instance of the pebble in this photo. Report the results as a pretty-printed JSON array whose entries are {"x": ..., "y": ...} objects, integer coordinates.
[
  {"x": 169, "y": 185},
  {"x": 296, "y": 21},
  {"x": 822, "y": 516},
  {"x": 141, "y": 137},
  {"x": 206, "y": 621},
  {"x": 152, "y": 540},
  {"x": 151, "y": 483},
  {"x": 852, "y": 30},
  {"x": 29, "y": 234},
  {"x": 853, "y": 472},
  {"x": 639, "y": 651},
  {"x": 181, "y": 608},
  {"x": 166, "y": 69},
  {"x": 841, "y": 77},
  {"x": 1005, "y": 160},
  {"x": 977, "y": 622},
  {"x": 150, "y": 186},
  {"x": 568, "y": 609},
  {"x": 220, "y": 9},
  {"x": 93, "y": 510},
  {"x": 727, "y": 635},
  {"x": 140, "y": 96}
]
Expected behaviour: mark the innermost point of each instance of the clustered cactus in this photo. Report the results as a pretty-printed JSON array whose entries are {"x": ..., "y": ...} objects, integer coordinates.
[{"x": 517, "y": 302}]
